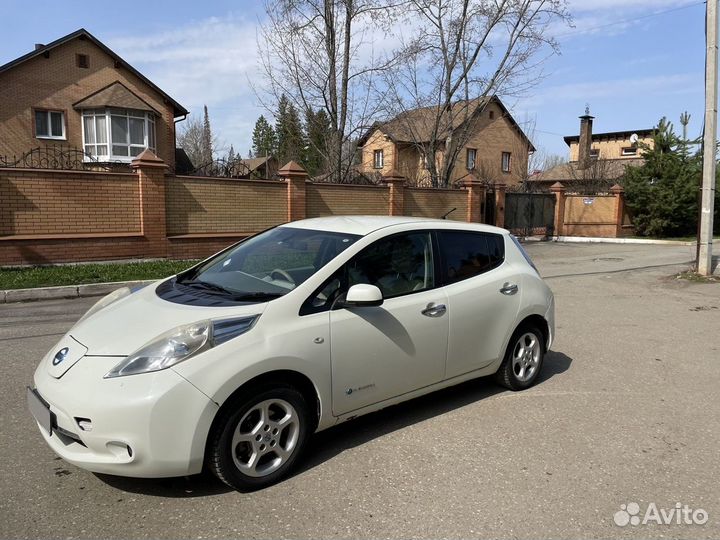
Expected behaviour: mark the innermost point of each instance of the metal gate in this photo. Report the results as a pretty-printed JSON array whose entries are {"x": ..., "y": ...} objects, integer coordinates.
[
  {"x": 530, "y": 214},
  {"x": 489, "y": 210}
]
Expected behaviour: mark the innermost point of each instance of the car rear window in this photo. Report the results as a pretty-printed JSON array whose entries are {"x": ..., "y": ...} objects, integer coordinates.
[{"x": 468, "y": 254}]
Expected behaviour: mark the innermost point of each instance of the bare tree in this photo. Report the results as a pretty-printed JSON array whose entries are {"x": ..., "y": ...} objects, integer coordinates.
[
  {"x": 320, "y": 55},
  {"x": 461, "y": 52},
  {"x": 198, "y": 141}
]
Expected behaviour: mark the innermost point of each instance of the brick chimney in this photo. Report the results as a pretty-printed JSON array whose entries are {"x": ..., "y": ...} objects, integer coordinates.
[{"x": 585, "y": 139}]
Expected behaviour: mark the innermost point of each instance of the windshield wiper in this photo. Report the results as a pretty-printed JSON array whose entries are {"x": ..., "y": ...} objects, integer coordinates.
[{"x": 199, "y": 284}]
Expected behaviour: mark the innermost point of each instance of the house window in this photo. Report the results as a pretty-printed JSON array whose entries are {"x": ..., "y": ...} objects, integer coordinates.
[
  {"x": 491, "y": 114},
  {"x": 471, "y": 159},
  {"x": 594, "y": 152},
  {"x": 117, "y": 134},
  {"x": 629, "y": 151},
  {"x": 49, "y": 124},
  {"x": 506, "y": 162},
  {"x": 378, "y": 159},
  {"x": 82, "y": 61}
]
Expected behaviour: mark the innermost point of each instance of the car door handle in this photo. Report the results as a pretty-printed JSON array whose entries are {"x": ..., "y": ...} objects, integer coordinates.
[
  {"x": 509, "y": 288},
  {"x": 434, "y": 310}
]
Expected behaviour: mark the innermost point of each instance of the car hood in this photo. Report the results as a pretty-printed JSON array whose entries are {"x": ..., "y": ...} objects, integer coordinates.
[{"x": 126, "y": 325}]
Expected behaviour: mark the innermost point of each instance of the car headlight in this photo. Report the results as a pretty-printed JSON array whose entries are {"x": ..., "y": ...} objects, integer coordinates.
[
  {"x": 180, "y": 344},
  {"x": 105, "y": 301}
]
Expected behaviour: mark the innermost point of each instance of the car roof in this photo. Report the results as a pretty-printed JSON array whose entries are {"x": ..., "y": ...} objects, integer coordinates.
[{"x": 363, "y": 225}]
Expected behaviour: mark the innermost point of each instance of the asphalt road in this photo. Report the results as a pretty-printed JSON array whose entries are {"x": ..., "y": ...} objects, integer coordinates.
[{"x": 627, "y": 411}]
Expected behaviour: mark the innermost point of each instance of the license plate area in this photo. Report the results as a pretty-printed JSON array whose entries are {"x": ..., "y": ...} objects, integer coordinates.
[{"x": 39, "y": 410}]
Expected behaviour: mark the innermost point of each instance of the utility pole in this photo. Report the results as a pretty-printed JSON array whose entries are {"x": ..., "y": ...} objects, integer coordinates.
[{"x": 704, "y": 263}]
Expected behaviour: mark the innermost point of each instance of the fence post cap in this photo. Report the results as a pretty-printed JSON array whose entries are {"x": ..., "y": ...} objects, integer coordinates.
[
  {"x": 292, "y": 169},
  {"x": 147, "y": 159},
  {"x": 393, "y": 176},
  {"x": 617, "y": 188},
  {"x": 500, "y": 185},
  {"x": 557, "y": 186},
  {"x": 472, "y": 180}
]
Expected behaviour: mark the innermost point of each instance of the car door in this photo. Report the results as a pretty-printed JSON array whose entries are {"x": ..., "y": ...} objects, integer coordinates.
[
  {"x": 381, "y": 352},
  {"x": 484, "y": 296}
]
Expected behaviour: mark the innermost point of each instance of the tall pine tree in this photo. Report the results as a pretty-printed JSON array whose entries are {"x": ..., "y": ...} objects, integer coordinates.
[
  {"x": 206, "y": 141},
  {"x": 263, "y": 138},
  {"x": 290, "y": 137},
  {"x": 317, "y": 128}
]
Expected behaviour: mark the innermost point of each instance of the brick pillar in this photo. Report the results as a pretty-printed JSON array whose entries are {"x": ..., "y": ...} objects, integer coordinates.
[
  {"x": 500, "y": 204},
  {"x": 559, "y": 190},
  {"x": 396, "y": 184},
  {"x": 476, "y": 199},
  {"x": 619, "y": 193},
  {"x": 295, "y": 177},
  {"x": 151, "y": 178}
]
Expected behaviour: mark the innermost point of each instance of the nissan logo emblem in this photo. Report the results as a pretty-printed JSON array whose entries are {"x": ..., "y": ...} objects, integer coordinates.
[{"x": 60, "y": 356}]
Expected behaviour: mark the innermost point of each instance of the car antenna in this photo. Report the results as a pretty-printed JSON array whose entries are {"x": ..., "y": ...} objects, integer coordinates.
[{"x": 446, "y": 214}]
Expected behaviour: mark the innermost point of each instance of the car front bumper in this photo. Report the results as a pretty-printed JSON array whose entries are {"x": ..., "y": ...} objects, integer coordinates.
[{"x": 148, "y": 425}]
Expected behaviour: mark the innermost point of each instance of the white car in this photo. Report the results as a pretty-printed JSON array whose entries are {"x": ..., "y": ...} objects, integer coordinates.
[{"x": 234, "y": 363}]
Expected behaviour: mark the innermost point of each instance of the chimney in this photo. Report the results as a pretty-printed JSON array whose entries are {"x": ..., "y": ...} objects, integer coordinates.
[
  {"x": 39, "y": 46},
  {"x": 585, "y": 139}
]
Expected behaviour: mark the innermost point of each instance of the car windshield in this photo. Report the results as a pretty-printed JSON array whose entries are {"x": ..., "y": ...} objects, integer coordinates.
[{"x": 267, "y": 265}]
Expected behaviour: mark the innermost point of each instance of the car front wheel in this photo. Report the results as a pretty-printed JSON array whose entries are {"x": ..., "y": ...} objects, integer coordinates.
[
  {"x": 523, "y": 359},
  {"x": 259, "y": 437}
]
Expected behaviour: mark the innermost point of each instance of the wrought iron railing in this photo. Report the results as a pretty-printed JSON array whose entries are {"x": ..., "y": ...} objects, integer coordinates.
[{"x": 59, "y": 158}]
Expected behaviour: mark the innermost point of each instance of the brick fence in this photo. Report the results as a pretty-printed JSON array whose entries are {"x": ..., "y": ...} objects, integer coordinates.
[{"x": 51, "y": 216}]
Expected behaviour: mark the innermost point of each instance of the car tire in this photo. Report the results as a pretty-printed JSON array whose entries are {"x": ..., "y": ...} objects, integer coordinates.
[
  {"x": 259, "y": 437},
  {"x": 523, "y": 359}
]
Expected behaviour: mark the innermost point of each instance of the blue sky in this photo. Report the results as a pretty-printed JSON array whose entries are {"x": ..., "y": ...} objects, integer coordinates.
[{"x": 632, "y": 61}]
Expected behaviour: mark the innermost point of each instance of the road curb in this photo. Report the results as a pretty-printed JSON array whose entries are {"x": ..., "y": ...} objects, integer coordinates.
[
  {"x": 599, "y": 240},
  {"x": 67, "y": 291}
]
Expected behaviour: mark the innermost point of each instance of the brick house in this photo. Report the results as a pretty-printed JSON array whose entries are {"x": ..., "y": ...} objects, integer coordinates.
[
  {"x": 495, "y": 148},
  {"x": 597, "y": 160},
  {"x": 75, "y": 92}
]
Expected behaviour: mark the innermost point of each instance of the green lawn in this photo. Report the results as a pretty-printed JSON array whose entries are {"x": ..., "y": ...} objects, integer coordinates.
[{"x": 47, "y": 276}]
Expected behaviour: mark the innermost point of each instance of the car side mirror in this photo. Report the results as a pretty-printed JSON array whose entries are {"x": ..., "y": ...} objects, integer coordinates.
[{"x": 363, "y": 295}]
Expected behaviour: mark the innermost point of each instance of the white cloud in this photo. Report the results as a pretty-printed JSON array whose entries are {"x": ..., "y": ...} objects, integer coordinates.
[{"x": 208, "y": 62}]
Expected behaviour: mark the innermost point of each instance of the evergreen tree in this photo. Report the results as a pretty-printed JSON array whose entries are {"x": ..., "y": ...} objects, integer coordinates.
[
  {"x": 662, "y": 194},
  {"x": 317, "y": 128},
  {"x": 263, "y": 138},
  {"x": 290, "y": 137},
  {"x": 207, "y": 141}
]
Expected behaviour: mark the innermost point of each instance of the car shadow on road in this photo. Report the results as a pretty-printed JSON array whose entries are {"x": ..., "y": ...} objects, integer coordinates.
[{"x": 327, "y": 444}]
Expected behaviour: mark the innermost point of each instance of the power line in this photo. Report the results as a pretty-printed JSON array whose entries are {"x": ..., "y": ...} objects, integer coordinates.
[{"x": 619, "y": 21}]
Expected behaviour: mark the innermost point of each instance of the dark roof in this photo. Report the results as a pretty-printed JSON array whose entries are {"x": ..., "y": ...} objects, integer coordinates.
[
  {"x": 183, "y": 165},
  {"x": 114, "y": 95},
  {"x": 416, "y": 125},
  {"x": 608, "y": 169},
  {"x": 253, "y": 164},
  {"x": 178, "y": 109},
  {"x": 611, "y": 135}
]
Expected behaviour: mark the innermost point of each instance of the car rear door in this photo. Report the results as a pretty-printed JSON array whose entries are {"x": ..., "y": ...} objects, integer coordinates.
[{"x": 484, "y": 296}]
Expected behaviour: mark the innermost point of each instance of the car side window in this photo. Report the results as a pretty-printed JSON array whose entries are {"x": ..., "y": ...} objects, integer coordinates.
[
  {"x": 400, "y": 264},
  {"x": 397, "y": 265},
  {"x": 468, "y": 254}
]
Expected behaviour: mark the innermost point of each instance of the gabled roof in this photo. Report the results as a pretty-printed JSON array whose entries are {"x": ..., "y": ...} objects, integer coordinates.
[
  {"x": 642, "y": 133},
  {"x": 254, "y": 164},
  {"x": 178, "y": 110},
  {"x": 114, "y": 95},
  {"x": 605, "y": 169},
  {"x": 417, "y": 125}
]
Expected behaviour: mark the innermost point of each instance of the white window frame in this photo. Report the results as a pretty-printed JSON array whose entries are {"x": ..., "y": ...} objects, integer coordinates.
[
  {"x": 629, "y": 151},
  {"x": 506, "y": 169},
  {"x": 378, "y": 163},
  {"x": 149, "y": 136},
  {"x": 471, "y": 151},
  {"x": 48, "y": 112}
]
